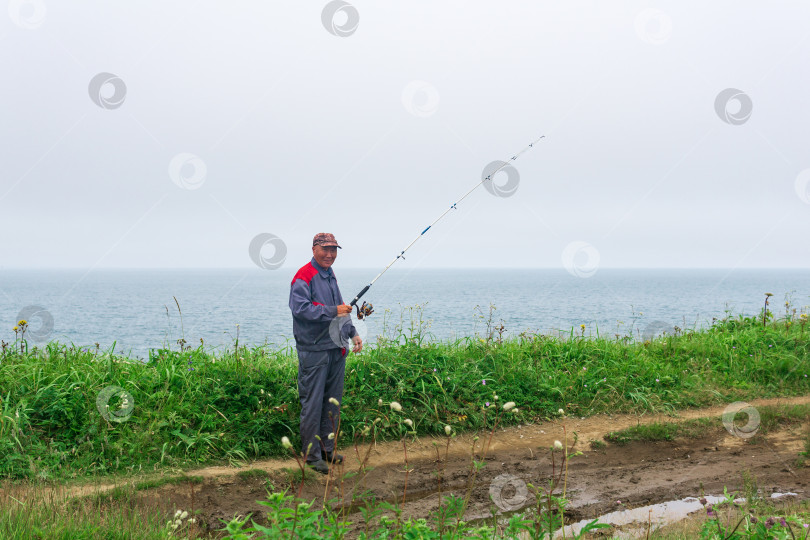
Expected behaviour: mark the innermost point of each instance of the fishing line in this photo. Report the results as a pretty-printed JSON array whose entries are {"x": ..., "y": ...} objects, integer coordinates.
[{"x": 367, "y": 309}]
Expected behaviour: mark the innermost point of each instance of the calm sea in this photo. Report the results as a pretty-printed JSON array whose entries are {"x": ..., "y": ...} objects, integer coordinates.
[{"x": 136, "y": 309}]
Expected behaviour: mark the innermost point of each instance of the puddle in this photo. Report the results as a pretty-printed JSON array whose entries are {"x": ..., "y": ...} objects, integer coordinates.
[{"x": 657, "y": 515}]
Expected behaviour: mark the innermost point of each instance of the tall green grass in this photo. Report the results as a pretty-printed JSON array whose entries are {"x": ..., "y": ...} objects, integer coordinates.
[
  {"x": 193, "y": 407},
  {"x": 36, "y": 513}
]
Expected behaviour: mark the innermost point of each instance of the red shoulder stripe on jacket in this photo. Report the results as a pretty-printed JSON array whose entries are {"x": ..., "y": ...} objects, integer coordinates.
[{"x": 306, "y": 272}]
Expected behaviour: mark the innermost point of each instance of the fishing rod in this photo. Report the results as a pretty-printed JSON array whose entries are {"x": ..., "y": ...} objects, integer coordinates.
[{"x": 366, "y": 309}]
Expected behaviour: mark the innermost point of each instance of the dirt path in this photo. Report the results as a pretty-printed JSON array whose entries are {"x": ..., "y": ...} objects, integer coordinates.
[
  {"x": 635, "y": 474},
  {"x": 513, "y": 439}
]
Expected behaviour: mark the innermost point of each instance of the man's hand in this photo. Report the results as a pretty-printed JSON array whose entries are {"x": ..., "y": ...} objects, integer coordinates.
[
  {"x": 344, "y": 310},
  {"x": 358, "y": 344}
]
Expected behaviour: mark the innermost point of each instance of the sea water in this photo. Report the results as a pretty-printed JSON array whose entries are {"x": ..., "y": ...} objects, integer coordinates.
[{"x": 136, "y": 309}]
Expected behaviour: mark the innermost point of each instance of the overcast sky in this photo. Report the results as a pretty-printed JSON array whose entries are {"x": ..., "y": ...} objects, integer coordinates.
[{"x": 221, "y": 121}]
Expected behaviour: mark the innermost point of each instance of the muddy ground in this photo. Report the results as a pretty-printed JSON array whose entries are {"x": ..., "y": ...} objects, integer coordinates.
[{"x": 636, "y": 474}]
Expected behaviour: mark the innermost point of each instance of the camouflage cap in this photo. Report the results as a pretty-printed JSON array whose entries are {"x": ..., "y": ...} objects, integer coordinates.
[{"x": 325, "y": 239}]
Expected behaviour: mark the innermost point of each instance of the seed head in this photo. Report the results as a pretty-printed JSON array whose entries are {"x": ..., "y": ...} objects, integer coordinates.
[
  {"x": 395, "y": 406},
  {"x": 558, "y": 445},
  {"x": 334, "y": 402},
  {"x": 408, "y": 422},
  {"x": 285, "y": 442},
  {"x": 331, "y": 436},
  {"x": 560, "y": 412},
  {"x": 508, "y": 405},
  {"x": 379, "y": 402},
  {"x": 448, "y": 430}
]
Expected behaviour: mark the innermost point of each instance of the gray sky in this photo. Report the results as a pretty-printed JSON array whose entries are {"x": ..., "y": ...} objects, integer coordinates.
[{"x": 372, "y": 134}]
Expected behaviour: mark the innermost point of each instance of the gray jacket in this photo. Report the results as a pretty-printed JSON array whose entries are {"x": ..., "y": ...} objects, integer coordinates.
[{"x": 314, "y": 298}]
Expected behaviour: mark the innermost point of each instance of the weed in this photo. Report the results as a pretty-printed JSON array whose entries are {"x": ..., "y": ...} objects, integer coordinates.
[
  {"x": 596, "y": 444},
  {"x": 192, "y": 407},
  {"x": 252, "y": 473},
  {"x": 664, "y": 431}
]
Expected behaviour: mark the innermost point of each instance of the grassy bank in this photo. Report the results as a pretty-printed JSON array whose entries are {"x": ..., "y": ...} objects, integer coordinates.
[
  {"x": 769, "y": 418},
  {"x": 37, "y": 513},
  {"x": 189, "y": 407}
]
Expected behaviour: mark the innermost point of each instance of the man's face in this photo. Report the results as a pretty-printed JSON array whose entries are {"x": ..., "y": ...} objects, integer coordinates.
[{"x": 324, "y": 255}]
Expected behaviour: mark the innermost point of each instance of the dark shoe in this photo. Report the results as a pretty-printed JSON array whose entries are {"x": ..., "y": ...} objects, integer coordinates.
[
  {"x": 331, "y": 457},
  {"x": 319, "y": 466}
]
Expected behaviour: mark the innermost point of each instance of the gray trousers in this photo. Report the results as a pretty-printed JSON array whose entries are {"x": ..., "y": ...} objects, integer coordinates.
[{"x": 320, "y": 377}]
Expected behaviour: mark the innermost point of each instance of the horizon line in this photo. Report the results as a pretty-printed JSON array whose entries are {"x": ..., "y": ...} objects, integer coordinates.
[{"x": 377, "y": 268}]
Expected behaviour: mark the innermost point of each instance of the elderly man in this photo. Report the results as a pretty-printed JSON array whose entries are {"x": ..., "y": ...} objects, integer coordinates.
[{"x": 321, "y": 325}]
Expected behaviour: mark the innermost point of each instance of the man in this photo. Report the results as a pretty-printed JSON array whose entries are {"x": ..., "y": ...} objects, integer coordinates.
[{"x": 321, "y": 324}]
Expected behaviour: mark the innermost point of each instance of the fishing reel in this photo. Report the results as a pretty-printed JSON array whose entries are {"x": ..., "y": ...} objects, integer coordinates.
[{"x": 364, "y": 310}]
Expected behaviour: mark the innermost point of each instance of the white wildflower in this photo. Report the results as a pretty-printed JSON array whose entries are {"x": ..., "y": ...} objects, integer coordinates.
[
  {"x": 334, "y": 402},
  {"x": 285, "y": 442},
  {"x": 331, "y": 436},
  {"x": 558, "y": 445},
  {"x": 408, "y": 422},
  {"x": 508, "y": 405},
  {"x": 448, "y": 430},
  {"x": 396, "y": 406}
]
